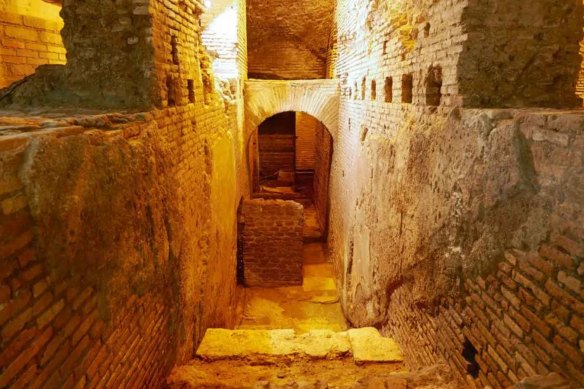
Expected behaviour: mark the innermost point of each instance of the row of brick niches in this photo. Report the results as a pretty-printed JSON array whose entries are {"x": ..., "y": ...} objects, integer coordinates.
[{"x": 272, "y": 242}]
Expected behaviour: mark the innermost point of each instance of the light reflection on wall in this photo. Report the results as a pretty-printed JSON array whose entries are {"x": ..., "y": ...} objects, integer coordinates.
[{"x": 220, "y": 37}]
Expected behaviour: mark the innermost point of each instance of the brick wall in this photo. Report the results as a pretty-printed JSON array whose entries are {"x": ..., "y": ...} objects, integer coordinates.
[
  {"x": 107, "y": 269},
  {"x": 288, "y": 40},
  {"x": 80, "y": 306},
  {"x": 427, "y": 202},
  {"x": 306, "y": 127},
  {"x": 272, "y": 242},
  {"x": 323, "y": 156},
  {"x": 27, "y": 42}
]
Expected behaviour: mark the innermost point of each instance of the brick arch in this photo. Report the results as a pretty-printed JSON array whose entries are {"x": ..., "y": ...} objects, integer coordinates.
[{"x": 266, "y": 98}]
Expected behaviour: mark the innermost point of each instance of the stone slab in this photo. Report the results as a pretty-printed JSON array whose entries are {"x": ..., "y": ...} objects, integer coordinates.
[
  {"x": 369, "y": 346},
  {"x": 257, "y": 344}
]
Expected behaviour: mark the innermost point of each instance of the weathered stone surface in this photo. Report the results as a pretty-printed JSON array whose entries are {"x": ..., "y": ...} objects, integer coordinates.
[
  {"x": 367, "y": 345},
  {"x": 269, "y": 345}
]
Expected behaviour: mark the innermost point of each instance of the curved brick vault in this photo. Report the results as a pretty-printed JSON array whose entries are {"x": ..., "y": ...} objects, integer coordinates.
[{"x": 266, "y": 98}]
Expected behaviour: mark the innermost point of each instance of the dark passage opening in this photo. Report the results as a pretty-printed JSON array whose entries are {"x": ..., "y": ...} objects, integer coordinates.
[{"x": 469, "y": 353}]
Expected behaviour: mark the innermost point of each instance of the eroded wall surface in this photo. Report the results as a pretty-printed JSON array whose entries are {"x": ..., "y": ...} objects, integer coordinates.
[
  {"x": 458, "y": 230},
  {"x": 30, "y": 37}
]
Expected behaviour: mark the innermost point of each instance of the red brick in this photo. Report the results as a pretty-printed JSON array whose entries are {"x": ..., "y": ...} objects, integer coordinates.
[
  {"x": 12, "y": 350},
  {"x": 536, "y": 322},
  {"x": 528, "y": 269},
  {"x": 25, "y": 257},
  {"x": 42, "y": 303},
  {"x": 25, "y": 377},
  {"x": 529, "y": 285},
  {"x": 569, "y": 351},
  {"x": 571, "y": 246},
  {"x": 16, "y": 244},
  {"x": 47, "y": 371},
  {"x": 72, "y": 325},
  {"x": 570, "y": 282},
  {"x": 513, "y": 326},
  {"x": 578, "y": 324},
  {"x": 24, "y": 33},
  {"x": 5, "y": 294},
  {"x": 51, "y": 348},
  {"x": 32, "y": 272},
  {"x": 16, "y": 324},
  {"x": 50, "y": 313},
  {"x": 7, "y": 269},
  {"x": 76, "y": 357},
  {"x": 547, "y": 347},
  {"x": 564, "y": 297},
  {"x": 11, "y": 18},
  {"x": 84, "y": 327},
  {"x": 78, "y": 299},
  {"x": 13, "y": 43},
  {"x": 542, "y": 264},
  {"x": 569, "y": 334},
  {"x": 559, "y": 257},
  {"x": 21, "y": 300},
  {"x": 20, "y": 362}
]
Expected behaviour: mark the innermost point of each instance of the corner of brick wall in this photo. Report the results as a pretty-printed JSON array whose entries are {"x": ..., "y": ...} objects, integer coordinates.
[
  {"x": 272, "y": 242},
  {"x": 26, "y": 43}
]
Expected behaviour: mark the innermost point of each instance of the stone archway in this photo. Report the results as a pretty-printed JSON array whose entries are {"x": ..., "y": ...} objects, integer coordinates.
[{"x": 266, "y": 98}]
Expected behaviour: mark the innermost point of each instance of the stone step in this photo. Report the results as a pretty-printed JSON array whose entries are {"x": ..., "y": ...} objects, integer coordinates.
[{"x": 363, "y": 345}]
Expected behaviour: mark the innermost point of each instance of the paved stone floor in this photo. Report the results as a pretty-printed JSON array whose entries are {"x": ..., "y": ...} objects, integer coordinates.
[
  {"x": 314, "y": 305},
  {"x": 297, "y": 337}
]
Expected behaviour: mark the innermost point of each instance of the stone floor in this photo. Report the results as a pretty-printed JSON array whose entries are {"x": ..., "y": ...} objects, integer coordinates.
[
  {"x": 297, "y": 337},
  {"x": 314, "y": 305}
]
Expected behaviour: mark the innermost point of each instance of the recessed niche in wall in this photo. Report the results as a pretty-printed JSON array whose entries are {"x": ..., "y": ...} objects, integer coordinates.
[
  {"x": 356, "y": 91},
  {"x": 388, "y": 89},
  {"x": 385, "y": 47},
  {"x": 191, "y": 90},
  {"x": 373, "y": 90},
  {"x": 363, "y": 88},
  {"x": 174, "y": 50},
  {"x": 469, "y": 353},
  {"x": 427, "y": 30},
  {"x": 364, "y": 132},
  {"x": 170, "y": 92},
  {"x": 434, "y": 86},
  {"x": 407, "y": 88}
]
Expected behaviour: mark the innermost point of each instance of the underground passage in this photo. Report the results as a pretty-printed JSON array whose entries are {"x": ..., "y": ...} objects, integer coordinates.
[{"x": 308, "y": 194}]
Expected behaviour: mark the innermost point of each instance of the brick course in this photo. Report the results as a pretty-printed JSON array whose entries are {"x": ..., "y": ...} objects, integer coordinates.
[{"x": 27, "y": 42}]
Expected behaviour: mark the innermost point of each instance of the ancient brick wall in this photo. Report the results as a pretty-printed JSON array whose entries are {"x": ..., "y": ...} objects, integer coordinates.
[
  {"x": 533, "y": 68},
  {"x": 26, "y": 42},
  {"x": 100, "y": 281},
  {"x": 428, "y": 201},
  {"x": 306, "y": 127},
  {"x": 323, "y": 156},
  {"x": 288, "y": 40},
  {"x": 272, "y": 242},
  {"x": 117, "y": 229}
]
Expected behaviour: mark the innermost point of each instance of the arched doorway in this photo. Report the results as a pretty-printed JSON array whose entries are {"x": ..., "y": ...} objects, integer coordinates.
[{"x": 290, "y": 158}]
